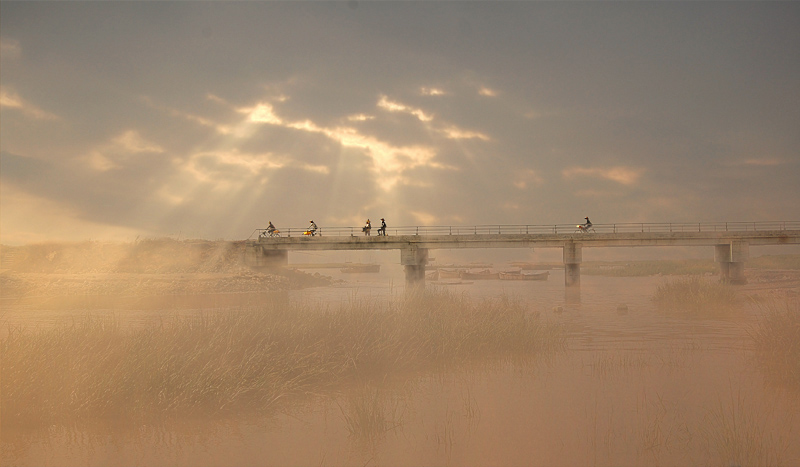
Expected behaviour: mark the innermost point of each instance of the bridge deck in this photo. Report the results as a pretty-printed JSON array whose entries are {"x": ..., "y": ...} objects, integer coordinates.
[{"x": 530, "y": 240}]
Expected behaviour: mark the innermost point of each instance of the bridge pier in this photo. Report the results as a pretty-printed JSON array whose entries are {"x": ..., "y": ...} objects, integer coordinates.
[
  {"x": 414, "y": 260},
  {"x": 260, "y": 257},
  {"x": 731, "y": 258},
  {"x": 573, "y": 255}
]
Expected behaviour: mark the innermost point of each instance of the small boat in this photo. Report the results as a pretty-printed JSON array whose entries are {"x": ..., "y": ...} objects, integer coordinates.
[
  {"x": 484, "y": 274},
  {"x": 450, "y": 273},
  {"x": 519, "y": 276},
  {"x": 359, "y": 268}
]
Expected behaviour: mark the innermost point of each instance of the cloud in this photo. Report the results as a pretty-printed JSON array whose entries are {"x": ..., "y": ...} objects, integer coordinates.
[
  {"x": 762, "y": 162},
  {"x": 262, "y": 113},
  {"x": 389, "y": 161},
  {"x": 622, "y": 175},
  {"x": 11, "y": 100},
  {"x": 484, "y": 91},
  {"x": 431, "y": 91},
  {"x": 225, "y": 170},
  {"x": 132, "y": 143},
  {"x": 449, "y": 131},
  {"x": 424, "y": 218},
  {"x": 217, "y": 99},
  {"x": 222, "y": 129},
  {"x": 392, "y": 106},
  {"x": 360, "y": 117},
  {"x": 453, "y": 132},
  {"x": 10, "y": 49},
  {"x": 113, "y": 154},
  {"x": 526, "y": 177}
]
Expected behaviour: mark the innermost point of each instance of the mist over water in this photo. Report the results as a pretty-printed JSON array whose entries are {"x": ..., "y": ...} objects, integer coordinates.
[{"x": 634, "y": 385}]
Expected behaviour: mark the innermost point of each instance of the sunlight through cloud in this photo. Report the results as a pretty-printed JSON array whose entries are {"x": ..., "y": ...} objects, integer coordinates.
[
  {"x": 391, "y": 106},
  {"x": 389, "y": 161},
  {"x": 262, "y": 113}
]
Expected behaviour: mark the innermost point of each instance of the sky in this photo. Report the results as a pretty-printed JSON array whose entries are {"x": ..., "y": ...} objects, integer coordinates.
[{"x": 209, "y": 119}]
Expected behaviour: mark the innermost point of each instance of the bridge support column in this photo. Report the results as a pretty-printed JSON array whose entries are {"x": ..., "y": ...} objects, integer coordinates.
[
  {"x": 259, "y": 257},
  {"x": 731, "y": 258},
  {"x": 573, "y": 256},
  {"x": 414, "y": 260}
]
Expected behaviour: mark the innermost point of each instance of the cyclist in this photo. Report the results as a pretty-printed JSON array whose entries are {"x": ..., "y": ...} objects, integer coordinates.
[
  {"x": 382, "y": 230},
  {"x": 312, "y": 228}
]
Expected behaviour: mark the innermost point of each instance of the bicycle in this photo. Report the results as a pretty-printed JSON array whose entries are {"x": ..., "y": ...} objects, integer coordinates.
[{"x": 268, "y": 233}]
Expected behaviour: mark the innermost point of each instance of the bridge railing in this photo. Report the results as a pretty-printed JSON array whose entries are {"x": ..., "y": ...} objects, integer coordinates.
[{"x": 541, "y": 229}]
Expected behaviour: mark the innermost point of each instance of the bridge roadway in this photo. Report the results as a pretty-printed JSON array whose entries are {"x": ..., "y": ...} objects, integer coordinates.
[{"x": 731, "y": 242}]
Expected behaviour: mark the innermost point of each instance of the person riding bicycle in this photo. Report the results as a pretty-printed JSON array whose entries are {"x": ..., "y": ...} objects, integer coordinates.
[
  {"x": 271, "y": 229},
  {"x": 588, "y": 224},
  {"x": 382, "y": 230},
  {"x": 312, "y": 228},
  {"x": 367, "y": 228}
]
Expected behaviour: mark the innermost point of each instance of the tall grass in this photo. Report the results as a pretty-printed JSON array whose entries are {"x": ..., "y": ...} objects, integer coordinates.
[
  {"x": 775, "y": 262},
  {"x": 737, "y": 433},
  {"x": 694, "y": 295},
  {"x": 249, "y": 358},
  {"x": 777, "y": 339},
  {"x": 650, "y": 268}
]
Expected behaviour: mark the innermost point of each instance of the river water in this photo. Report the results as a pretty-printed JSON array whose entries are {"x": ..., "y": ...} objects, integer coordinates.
[{"x": 636, "y": 387}]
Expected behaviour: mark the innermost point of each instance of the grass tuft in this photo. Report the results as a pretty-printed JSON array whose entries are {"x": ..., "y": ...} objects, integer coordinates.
[{"x": 368, "y": 414}]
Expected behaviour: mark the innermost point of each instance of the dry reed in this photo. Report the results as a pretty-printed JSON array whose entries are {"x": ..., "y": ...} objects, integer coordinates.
[
  {"x": 249, "y": 358},
  {"x": 694, "y": 295},
  {"x": 737, "y": 433},
  {"x": 777, "y": 339}
]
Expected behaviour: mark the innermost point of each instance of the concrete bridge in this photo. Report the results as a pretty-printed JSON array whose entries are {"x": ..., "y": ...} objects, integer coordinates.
[{"x": 731, "y": 242}]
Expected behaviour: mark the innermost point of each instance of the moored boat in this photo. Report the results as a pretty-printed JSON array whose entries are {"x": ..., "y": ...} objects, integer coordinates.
[
  {"x": 450, "y": 273},
  {"x": 484, "y": 274},
  {"x": 519, "y": 276}
]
